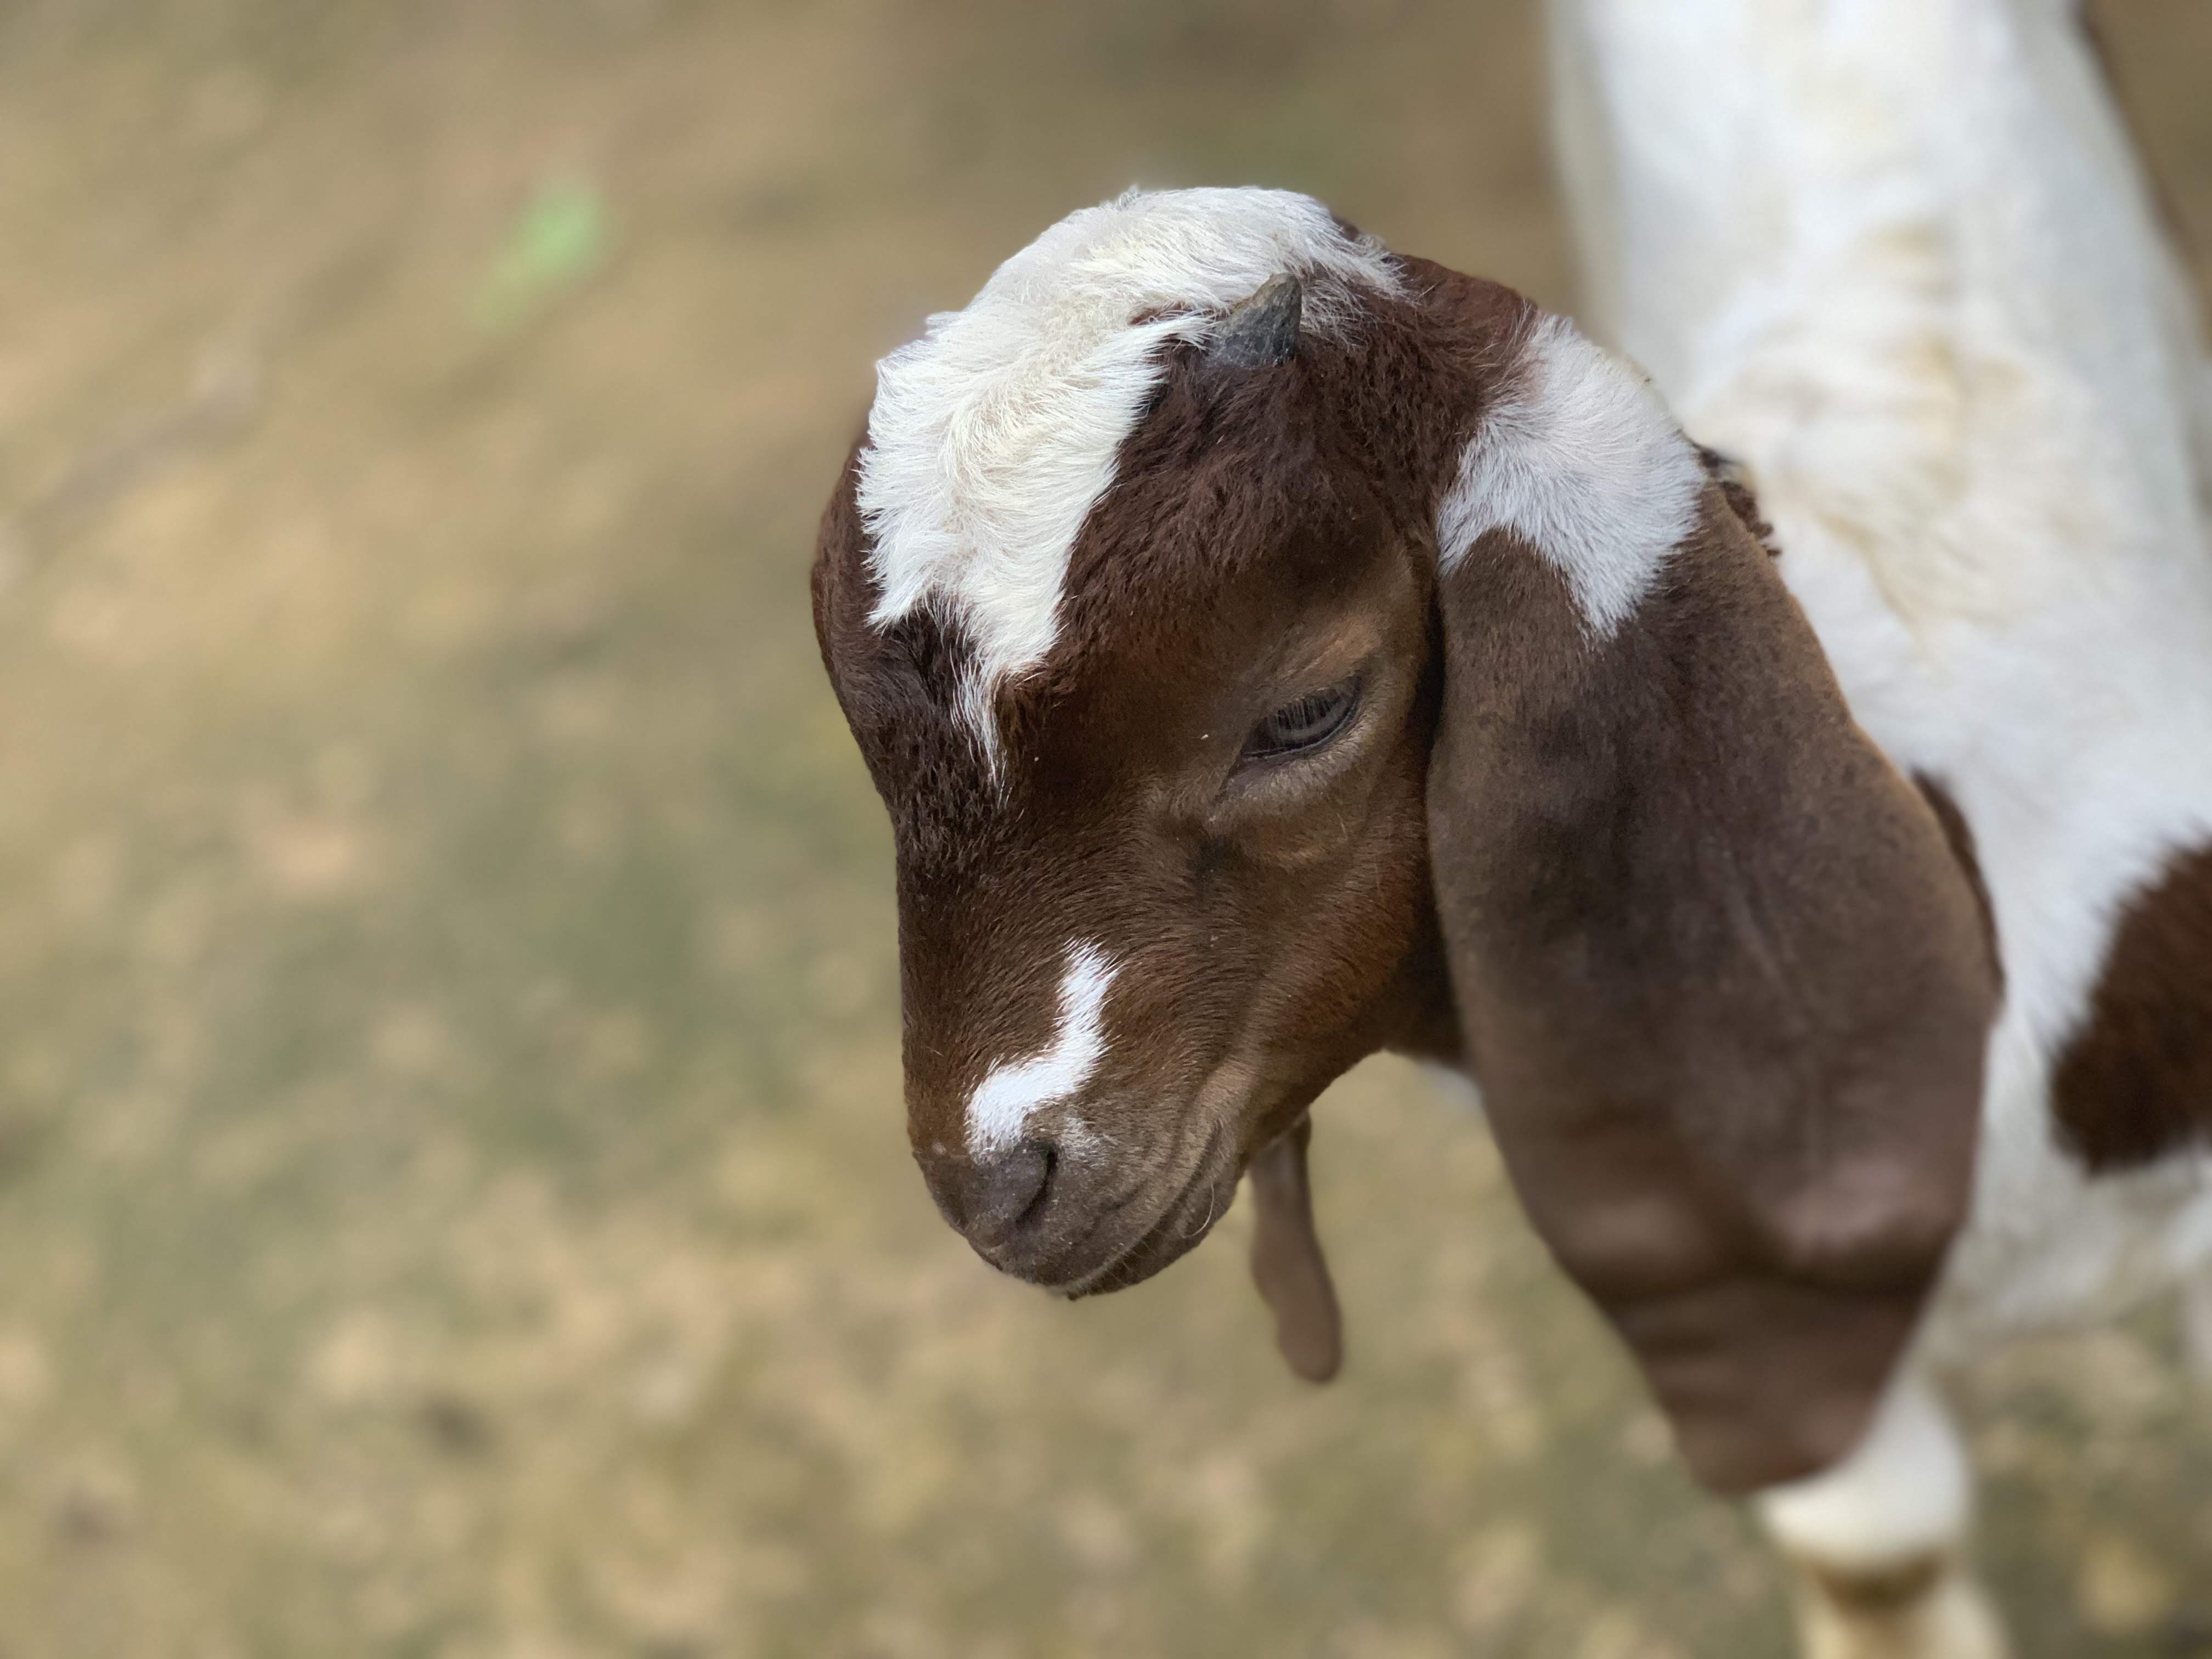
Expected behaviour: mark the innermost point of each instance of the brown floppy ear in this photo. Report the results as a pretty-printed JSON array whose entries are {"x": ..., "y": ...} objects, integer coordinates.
[
  {"x": 1723, "y": 982},
  {"x": 1287, "y": 1264}
]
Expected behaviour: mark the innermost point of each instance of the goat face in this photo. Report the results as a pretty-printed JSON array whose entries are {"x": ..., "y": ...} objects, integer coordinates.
[
  {"x": 1182, "y": 884},
  {"x": 1232, "y": 661}
]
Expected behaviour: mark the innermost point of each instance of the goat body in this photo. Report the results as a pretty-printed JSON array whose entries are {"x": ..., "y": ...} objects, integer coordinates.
[
  {"x": 1271, "y": 648},
  {"x": 1897, "y": 259},
  {"x": 1900, "y": 263}
]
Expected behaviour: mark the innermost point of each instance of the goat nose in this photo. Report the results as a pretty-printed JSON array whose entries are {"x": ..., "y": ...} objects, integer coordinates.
[{"x": 987, "y": 1194}]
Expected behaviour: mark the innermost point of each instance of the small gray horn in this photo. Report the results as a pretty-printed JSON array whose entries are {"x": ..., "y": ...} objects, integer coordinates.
[{"x": 1262, "y": 330}]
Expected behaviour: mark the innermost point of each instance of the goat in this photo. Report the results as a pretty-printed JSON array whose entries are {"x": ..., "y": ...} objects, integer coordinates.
[{"x": 1271, "y": 648}]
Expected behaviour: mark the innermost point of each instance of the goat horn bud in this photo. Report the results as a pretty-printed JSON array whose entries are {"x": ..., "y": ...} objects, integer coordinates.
[{"x": 1262, "y": 330}]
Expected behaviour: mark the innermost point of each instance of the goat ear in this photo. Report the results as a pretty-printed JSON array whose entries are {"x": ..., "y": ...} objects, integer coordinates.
[
  {"x": 1721, "y": 978},
  {"x": 1262, "y": 330},
  {"x": 1287, "y": 1264}
]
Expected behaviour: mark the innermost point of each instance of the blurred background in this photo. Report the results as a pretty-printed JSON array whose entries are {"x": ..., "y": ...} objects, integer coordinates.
[{"x": 453, "y": 1195}]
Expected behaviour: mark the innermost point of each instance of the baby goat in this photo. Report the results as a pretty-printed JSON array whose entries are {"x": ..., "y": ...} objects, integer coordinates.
[{"x": 1272, "y": 649}]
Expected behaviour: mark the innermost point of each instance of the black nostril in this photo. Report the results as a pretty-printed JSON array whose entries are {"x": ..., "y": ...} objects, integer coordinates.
[{"x": 999, "y": 1188}]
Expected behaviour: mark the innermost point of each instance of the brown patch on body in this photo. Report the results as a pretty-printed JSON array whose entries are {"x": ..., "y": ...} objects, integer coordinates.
[{"x": 2135, "y": 1082}]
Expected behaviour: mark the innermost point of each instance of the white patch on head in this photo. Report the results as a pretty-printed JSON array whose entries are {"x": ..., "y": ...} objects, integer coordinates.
[
  {"x": 1583, "y": 462},
  {"x": 1003, "y": 1102},
  {"x": 993, "y": 436}
]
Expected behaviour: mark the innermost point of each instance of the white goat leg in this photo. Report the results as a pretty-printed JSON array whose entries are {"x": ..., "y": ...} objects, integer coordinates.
[{"x": 1877, "y": 1543}]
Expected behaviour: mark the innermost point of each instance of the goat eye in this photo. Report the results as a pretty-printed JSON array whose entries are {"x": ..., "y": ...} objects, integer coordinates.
[{"x": 1307, "y": 723}]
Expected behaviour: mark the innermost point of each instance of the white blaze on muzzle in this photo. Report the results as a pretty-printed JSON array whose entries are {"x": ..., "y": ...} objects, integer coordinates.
[{"x": 1003, "y": 1103}]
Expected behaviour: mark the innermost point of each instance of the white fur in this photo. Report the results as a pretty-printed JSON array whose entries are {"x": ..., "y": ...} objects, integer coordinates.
[
  {"x": 993, "y": 436},
  {"x": 1903, "y": 1494},
  {"x": 1896, "y": 257},
  {"x": 1899, "y": 1501},
  {"x": 1004, "y": 1103},
  {"x": 1583, "y": 462}
]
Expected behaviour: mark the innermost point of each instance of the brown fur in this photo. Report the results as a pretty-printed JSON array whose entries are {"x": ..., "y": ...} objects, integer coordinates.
[
  {"x": 1959, "y": 835},
  {"x": 1879, "y": 1592},
  {"x": 1736, "y": 489},
  {"x": 2135, "y": 1081},
  {"x": 1270, "y": 929},
  {"x": 1287, "y": 1264},
  {"x": 1722, "y": 984}
]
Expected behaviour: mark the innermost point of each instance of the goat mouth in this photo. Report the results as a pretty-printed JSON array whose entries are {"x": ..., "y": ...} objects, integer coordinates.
[{"x": 1178, "y": 1230}]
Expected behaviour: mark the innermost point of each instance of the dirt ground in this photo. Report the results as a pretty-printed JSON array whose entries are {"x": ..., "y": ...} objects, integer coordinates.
[{"x": 452, "y": 1196}]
